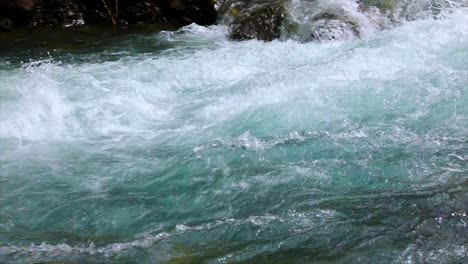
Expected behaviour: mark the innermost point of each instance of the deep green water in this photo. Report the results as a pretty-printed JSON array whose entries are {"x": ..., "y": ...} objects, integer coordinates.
[{"x": 186, "y": 147}]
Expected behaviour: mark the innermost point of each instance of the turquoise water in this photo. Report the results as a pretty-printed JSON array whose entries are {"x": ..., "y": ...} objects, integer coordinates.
[{"x": 186, "y": 147}]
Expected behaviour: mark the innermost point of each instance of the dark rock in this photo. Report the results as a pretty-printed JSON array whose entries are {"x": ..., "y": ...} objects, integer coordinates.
[
  {"x": 184, "y": 12},
  {"x": 26, "y": 5},
  {"x": 5, "y": 24},
  {"x": 59, "y": 13},
  {"x": 262, "y": 22},
  {"x": 147, "y": 12},
  {"x": 16, "y": 10},
  {"x": 201, "y": 12},
  {"x": 18, "y": 5}
]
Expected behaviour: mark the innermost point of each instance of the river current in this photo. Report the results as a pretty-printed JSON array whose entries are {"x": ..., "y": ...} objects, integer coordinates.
[{"x": 187, "y": 147}]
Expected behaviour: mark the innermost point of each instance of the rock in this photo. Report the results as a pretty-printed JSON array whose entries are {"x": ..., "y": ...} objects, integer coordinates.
[
  {"x": 201, "y": 12},
  {"x": 58, "y": 13},
  {"x": 5, "y": 24},
  {"x": 262, "y": 22},
  {"x": 140, "y": 12},
  {"x": 170, "y": 13},
  {"x": 184, "y": 12},
  {"x": 16, "y": 11},
  {"x": 301, "y": 20},
  {"x": 326, "y": 21},
  {"x": 383, "y": 5},
  {"x": 63, "y": 13},
  {"x": 331, "y": 27},
  {"x": 18, "y": 5},
  {"x": 25, "y": 5}
]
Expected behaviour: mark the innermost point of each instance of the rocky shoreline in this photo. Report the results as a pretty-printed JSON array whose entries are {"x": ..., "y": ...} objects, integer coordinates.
[
  {"x": 66, "y": 13},
  {"x": 301, "y": 20}
]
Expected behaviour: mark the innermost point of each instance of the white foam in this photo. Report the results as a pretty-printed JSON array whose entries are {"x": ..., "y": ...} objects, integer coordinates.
[
  {"x": 35, "y": 251},
  {"x": 40, "y": 112},
  {"x": 197, "y": 90}
]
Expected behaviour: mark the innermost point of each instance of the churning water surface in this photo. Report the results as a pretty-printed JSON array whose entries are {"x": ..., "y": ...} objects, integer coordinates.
[{"x": 186, "y": 147}]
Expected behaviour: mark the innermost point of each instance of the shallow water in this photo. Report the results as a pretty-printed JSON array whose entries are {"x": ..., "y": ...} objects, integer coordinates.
[{"x": 185, "y": 147}]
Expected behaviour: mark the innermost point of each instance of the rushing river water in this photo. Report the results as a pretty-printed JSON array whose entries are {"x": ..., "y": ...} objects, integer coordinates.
[{"x": 186, "y": 147}]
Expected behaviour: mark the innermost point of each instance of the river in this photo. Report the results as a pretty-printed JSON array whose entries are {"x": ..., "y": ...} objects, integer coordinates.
[{"x": 187, "y": 147}]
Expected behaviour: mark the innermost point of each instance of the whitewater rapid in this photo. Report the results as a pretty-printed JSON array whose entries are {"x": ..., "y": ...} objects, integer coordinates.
[{"x": 202, "y": 149}]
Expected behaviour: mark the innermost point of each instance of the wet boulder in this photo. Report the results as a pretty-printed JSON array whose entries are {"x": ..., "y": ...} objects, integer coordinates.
[
  {"x": 260, "y": 21},
  {"x": 320, "y": 21},
  {"x": 328, "y": 26},
  {"x": 59, "y": 13},
  {"x": 304, "y": 20}
]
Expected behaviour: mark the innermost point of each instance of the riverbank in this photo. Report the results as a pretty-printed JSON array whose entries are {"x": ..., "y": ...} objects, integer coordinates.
[
  {"x": 301, "y": 20},
  {"x": 66, "y": 13}
]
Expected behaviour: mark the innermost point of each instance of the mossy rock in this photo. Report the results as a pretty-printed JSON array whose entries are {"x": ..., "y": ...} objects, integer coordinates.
[
  {"x": 328, "y": 26},
  {"x": 262, "y": 22},
  {"x": 384, "y": 5}
]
